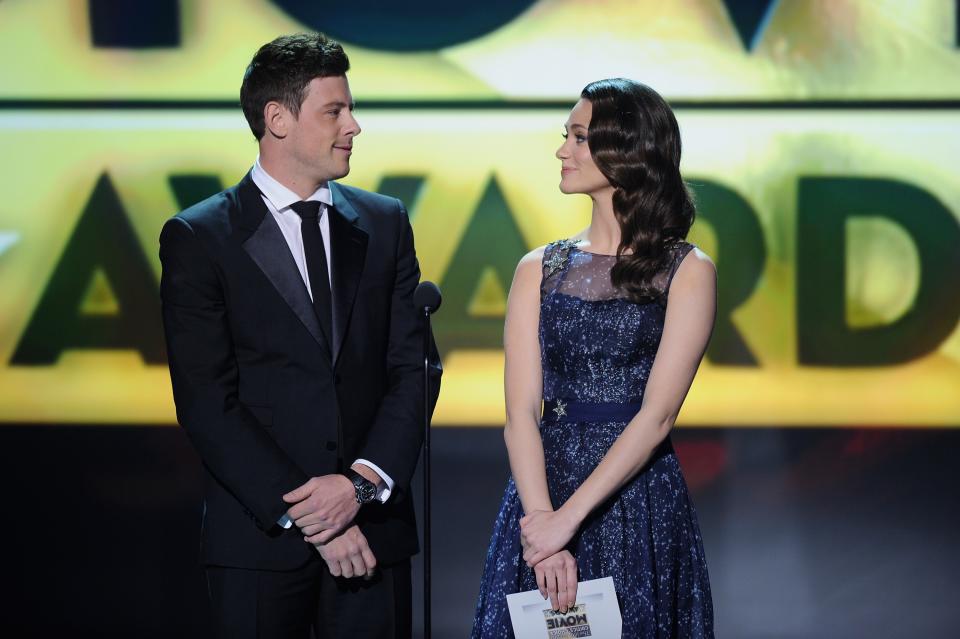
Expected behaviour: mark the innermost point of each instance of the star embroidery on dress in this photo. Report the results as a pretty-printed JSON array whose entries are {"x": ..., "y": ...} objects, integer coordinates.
[{"x": 560, "y": 409}]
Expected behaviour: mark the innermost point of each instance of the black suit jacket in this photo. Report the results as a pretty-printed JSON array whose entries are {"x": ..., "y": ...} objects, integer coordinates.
[{"x": 254, "y": 382}]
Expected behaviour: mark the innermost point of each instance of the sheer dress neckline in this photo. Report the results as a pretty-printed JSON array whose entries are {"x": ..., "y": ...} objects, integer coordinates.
[
  {"x": 577, "y": 248},
  {"x": 573, "y": 272}
]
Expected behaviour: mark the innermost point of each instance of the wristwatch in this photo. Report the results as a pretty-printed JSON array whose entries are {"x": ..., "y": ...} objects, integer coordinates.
[{"x": 366, "y": 489}]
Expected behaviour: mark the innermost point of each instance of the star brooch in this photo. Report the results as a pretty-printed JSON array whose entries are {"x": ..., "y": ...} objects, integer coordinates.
[
  {"x": 560, "y": 409},
  {"x": 558, "y": 258}
]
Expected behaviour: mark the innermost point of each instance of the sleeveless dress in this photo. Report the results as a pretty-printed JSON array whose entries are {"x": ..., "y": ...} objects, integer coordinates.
[{"x": 597, "y": 348}]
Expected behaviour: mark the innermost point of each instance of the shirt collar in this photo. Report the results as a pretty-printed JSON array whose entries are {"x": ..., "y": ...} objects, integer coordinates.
[{"x": 280, "y": 196}]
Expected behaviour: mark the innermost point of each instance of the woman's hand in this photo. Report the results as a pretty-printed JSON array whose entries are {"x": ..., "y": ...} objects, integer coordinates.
[
  {"x": 544, "y": 533},
  {"x": 557, "y": 579}
]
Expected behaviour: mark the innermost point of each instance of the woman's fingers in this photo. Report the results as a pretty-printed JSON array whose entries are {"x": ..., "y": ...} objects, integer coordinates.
[
  {"x": 562, "y": 588},
  {"x": 571, "y": 570},
  {"x": 552, "y": 588}
]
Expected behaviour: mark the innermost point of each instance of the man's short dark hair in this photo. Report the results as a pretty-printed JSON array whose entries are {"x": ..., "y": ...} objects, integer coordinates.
[{"x": 281, "y": 71}]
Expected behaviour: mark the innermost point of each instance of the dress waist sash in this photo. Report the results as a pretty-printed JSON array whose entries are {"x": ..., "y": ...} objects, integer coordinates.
[{"x": 559, "y": 410}]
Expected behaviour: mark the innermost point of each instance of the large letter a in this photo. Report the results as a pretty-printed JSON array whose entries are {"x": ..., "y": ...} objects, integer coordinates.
[{"x": 102, "y": 246}]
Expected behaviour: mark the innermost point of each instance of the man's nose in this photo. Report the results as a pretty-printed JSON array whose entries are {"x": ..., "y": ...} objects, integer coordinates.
[{"x": 353, "y": 127}]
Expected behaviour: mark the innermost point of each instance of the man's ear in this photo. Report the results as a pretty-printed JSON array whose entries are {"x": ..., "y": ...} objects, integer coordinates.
[{"x": 276, "y": 119}]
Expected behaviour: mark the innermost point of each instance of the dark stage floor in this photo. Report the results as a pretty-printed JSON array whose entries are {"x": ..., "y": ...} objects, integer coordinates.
[{"x": 808, "y": 532}]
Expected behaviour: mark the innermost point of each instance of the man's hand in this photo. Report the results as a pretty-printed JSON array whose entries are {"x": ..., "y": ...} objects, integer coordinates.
[
  {"x": 324, "y": 506},
  {"x": 348, "y": 554},
  {"x": 557, "y": 579},
  {"x": 544, "y": 533}
]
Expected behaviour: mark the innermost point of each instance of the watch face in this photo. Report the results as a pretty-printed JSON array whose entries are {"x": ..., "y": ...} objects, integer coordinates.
[{"x": 366, "y": 491}]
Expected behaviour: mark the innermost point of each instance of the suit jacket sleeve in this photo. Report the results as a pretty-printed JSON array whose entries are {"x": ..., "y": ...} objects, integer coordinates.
[
  {"x": 393, "y": 441},
  {"x": 231, "y": 442}
]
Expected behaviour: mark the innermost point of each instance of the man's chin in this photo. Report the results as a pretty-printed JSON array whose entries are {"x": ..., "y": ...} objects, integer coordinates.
[{"x": 340, "y": 172}]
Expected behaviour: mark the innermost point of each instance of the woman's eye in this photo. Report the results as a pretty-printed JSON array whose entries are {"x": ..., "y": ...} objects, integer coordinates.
[
  {"x": 564, "y": 136},
  {"x": 581, "y": 138}
]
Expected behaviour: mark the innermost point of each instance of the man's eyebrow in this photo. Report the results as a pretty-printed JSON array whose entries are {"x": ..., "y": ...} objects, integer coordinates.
[{"x": 340, "y": 104}]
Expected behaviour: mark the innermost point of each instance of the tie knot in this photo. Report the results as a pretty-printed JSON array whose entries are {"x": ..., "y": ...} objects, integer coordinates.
[{"x": 309, "y": 210}]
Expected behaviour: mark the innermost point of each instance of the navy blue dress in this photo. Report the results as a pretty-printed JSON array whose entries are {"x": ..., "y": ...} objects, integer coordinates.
[{"x": 597, "y": 349}]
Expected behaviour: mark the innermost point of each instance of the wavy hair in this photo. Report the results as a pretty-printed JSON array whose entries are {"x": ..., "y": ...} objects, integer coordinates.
[{"x": 634, "y": 140}]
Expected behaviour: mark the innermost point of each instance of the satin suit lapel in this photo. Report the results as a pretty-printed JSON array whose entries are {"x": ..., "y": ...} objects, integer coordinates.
[{"x": 267, "y": 247}]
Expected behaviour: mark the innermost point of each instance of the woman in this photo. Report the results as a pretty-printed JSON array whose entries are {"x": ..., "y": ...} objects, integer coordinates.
[{"x": 607, "y": 329}]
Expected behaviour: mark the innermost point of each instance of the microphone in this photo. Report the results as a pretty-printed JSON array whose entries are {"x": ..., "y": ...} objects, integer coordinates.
[{"x": 427, "y": 296}]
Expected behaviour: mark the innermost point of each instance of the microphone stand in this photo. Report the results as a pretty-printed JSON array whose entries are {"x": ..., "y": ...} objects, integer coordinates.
[
  {"x": 426, "y": 474},
  {"x": 426, "y": 298}
]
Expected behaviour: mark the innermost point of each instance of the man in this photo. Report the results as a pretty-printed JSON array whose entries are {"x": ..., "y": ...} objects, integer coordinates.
[{"x": 295, "y": 357}]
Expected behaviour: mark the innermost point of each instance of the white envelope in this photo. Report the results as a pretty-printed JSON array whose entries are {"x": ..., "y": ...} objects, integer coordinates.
[{"x": 595, "y": 615}]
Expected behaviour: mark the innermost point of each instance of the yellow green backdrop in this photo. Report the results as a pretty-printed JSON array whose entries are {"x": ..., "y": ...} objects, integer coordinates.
[{"x": 819, "y": 138}]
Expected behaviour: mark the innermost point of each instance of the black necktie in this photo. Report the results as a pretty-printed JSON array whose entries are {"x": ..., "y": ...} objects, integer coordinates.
[{"x": 309, "y": 213}]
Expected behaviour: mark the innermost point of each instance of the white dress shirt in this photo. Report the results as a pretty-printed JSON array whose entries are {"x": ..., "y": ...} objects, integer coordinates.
[{"x": 278, "y": 199}]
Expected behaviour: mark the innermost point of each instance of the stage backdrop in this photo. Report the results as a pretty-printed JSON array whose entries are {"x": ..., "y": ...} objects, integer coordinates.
[{"x": 820, "y": 139}]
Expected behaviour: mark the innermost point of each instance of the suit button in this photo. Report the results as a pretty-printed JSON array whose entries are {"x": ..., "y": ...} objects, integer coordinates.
[{"x": 331, "y": 446}]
